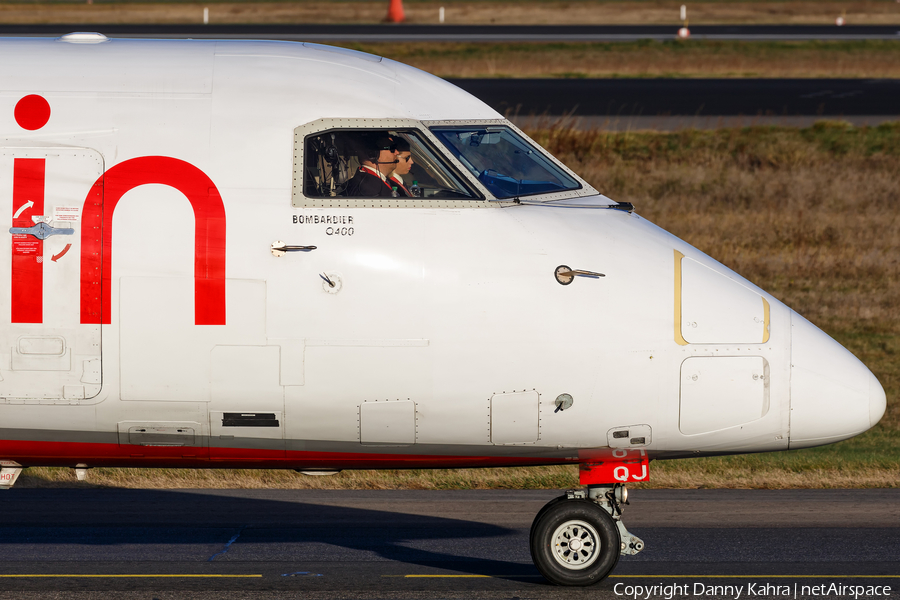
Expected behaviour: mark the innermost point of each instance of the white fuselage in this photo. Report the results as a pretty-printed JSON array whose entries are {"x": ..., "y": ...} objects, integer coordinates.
[{"x": 446, "y": 339}]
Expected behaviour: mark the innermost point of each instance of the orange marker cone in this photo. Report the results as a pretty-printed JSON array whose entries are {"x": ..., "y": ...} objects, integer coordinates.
[{"x": 395, "y": 12}]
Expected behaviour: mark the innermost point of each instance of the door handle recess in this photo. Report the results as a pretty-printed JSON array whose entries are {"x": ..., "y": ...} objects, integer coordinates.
[{"x": 279, "y": 248}]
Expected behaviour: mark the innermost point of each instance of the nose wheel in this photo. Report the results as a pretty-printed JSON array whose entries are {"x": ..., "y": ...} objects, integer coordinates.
[
  {"x": 576, "y": 539},
  {"x": 574, "y": 542}
]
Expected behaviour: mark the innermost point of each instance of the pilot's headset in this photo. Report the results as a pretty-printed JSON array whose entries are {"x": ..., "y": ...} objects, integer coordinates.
[
  {"x": 335, "y": 157},
  {"x": 385, "y": 142},
  {"x": 402, "y": 145},
  {"x": 330, "y": 150}
]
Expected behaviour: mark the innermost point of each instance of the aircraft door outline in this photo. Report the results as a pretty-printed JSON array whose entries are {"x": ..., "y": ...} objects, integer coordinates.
[{"x": 46, "y": 353}]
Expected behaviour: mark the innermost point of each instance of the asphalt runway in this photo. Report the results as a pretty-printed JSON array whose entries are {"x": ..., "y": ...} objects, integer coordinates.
[
  {"x": 822, "y": 98},
  {"x": 470, "y": 33},
  {"x": 108, "y": 543}
]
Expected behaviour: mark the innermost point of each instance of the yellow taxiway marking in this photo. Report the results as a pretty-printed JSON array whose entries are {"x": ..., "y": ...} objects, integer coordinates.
[
  {"x": 759, "y": 576},
  {"x": 456, "y": 576},
  {"x": 102, "y": 575},
  {"x": 676, "y": 576}
]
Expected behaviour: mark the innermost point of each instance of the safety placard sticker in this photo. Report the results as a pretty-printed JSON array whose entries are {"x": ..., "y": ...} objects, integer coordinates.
[
  {"x": 66, "y": 213},
  {"x": 24, "y": 245}
]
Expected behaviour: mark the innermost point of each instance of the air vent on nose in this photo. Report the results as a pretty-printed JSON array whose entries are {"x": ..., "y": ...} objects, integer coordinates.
[
  {"x": 629, "y": 436},
  {"x": 249, "y": 420}
]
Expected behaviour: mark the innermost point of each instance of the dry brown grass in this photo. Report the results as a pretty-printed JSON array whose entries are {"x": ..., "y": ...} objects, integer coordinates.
[
  {"x": 673, "y": 474},
  {"x": 872, "y": 59},
  {"x": 457, "y": 12},
  {"x": 654, "y": 13},
  {"x": 811, "y": 215},
  {"x": 519, "y": 477},
  {"x": 744, "y": 477}
]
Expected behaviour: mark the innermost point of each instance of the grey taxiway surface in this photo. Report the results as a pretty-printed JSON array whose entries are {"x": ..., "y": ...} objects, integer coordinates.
[
  {"x": 427, "y": 544},
  {"x": 824, "y": 98},
  {"x": 666, "y": 104}
]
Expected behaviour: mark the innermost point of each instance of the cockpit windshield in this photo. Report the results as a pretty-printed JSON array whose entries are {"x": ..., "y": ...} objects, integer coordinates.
[{"x": 505, "y": 162}]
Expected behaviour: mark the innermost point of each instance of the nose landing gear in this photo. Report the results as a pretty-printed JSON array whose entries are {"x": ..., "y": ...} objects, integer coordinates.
[{"x": 576, "y": 539}]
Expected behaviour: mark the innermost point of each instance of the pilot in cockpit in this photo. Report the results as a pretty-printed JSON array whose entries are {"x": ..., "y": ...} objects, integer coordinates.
[
  {"x": 404, "y": 164},
  {"x": 378, "y": 159}
]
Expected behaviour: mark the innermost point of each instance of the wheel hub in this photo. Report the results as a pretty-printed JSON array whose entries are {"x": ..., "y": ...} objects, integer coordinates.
[{"x": 576, "y": 545}]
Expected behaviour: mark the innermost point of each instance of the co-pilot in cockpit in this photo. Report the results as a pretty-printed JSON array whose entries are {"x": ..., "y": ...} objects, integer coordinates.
[{"x": 360, "y": 163}]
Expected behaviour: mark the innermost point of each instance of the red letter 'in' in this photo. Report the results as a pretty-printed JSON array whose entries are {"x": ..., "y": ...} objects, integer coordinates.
[{"x": 209, "y": 234}]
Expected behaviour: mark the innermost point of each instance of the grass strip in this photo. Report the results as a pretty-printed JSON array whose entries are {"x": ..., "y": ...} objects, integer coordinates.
[
  {"x": 456, "y": 12},
  {"x": 649, "y": 58}
]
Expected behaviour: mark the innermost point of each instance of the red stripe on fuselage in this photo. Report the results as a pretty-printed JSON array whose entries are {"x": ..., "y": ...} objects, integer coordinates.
[
  {"x": 27, "y": 281},
  {"x": 61, "y": 454}
]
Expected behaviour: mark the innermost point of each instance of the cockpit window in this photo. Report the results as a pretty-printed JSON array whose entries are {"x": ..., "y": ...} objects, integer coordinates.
[
  {"x": 369, "y": 163},
  {"x": 505, "y": 162}
]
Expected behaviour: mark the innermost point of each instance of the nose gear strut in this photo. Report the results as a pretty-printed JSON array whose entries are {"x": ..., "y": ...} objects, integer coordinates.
[{"x": 611, "y": 498}]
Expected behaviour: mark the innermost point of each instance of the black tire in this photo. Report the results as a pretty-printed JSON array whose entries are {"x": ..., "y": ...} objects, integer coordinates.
[
  {"x": 581, "y": 523},
  {"x": 543, "y": 511}
]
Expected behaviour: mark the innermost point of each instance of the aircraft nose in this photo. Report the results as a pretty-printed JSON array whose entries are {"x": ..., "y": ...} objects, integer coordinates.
[
  {"x": 877, "y": 400},
  {"x": 834, "y": 396}
]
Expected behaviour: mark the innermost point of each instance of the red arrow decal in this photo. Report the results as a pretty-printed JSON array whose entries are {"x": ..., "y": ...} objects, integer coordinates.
[{"x": 56, "y": 257}]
